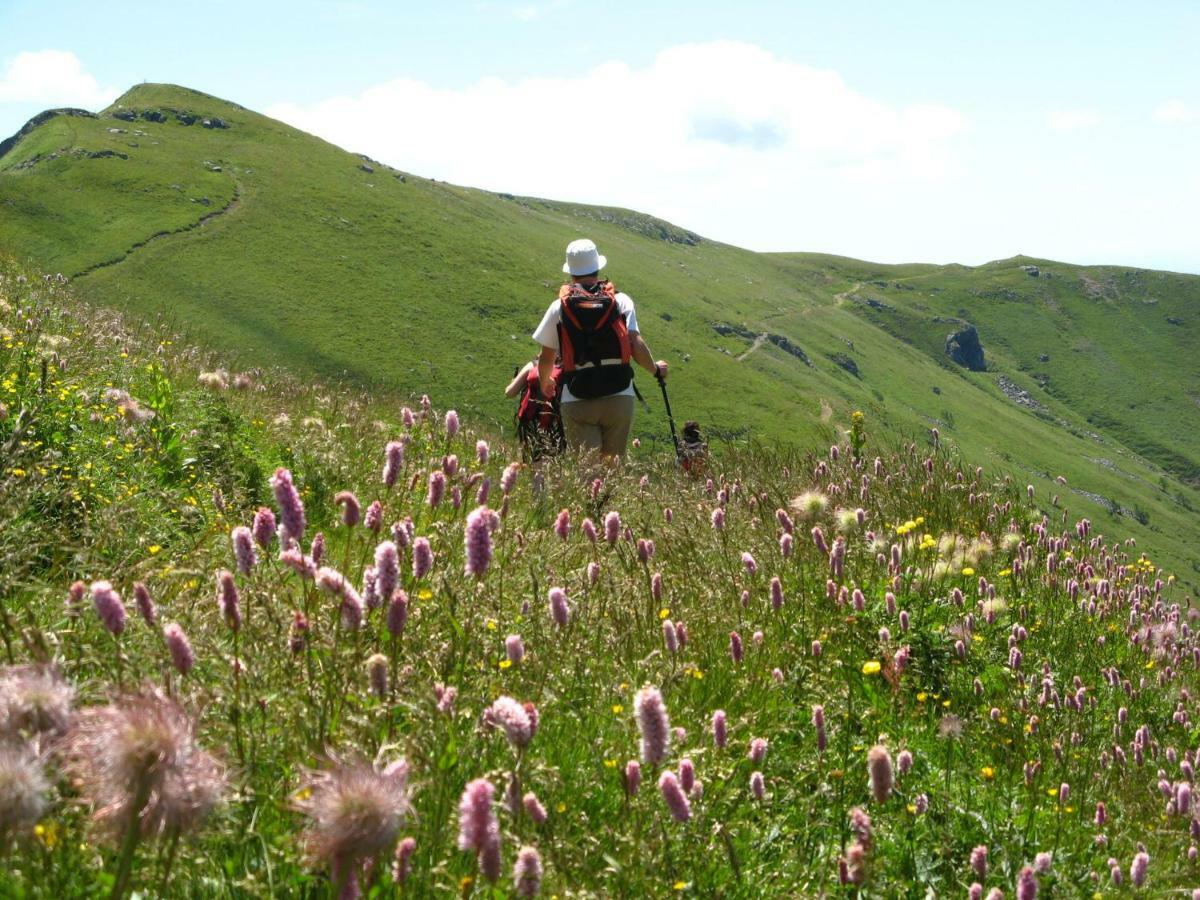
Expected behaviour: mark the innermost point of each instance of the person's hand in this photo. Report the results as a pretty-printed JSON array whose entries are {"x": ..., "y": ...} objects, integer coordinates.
[
  {"x": 549, "y": 387},
  {"x": 660, "y": 369}
]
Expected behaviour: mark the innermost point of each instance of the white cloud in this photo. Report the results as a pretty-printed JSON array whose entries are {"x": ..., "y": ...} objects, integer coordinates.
[
  {"x": 1176, "y": 112},
  {"x": 52, "y": 78},
  {"x": 1073, "y": 119},
  {"x": 711, "y": 127}
]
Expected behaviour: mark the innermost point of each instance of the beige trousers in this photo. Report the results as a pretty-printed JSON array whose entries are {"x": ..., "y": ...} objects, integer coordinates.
[{"x": 602, "y": 424}]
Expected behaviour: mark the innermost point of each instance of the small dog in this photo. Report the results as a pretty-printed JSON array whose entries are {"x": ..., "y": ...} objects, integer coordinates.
[{"x": 693, "y": 450}]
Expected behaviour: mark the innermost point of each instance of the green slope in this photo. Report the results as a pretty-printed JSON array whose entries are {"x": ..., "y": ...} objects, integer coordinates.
[{"x": 285, "y": 250}]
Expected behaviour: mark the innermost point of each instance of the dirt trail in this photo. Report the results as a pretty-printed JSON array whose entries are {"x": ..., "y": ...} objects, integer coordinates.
[
  {"x": 758, "y": 342},
  {"x": 229, "y": 207},
  {"x": 841, "y": 298}
]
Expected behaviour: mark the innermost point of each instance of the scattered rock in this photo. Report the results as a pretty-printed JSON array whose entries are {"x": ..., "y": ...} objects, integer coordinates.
[
  {"x": 665, "y": 316},
  {"x": 964, "y": 348},
  {"x": 186, "y": 118},
  {"x": 846, "y": 363},
  {"x": 936, "y": 389},
  {"x": 125, "y": 115},
  {"x": 1045, "y": 357},
  {"x": 214, "y": 122},
  {"x": 153, "y": 115},
  {"x": 116, "y": 131},
  {"x": 1031, "y": 271},
  {"x": 1171, "y": 320},
  {"x": 368, "y": 169},
  {"x": 400, "y": 177},
  {"x": 1017, "y": 395},
  {"x": 103, "y": 154}
]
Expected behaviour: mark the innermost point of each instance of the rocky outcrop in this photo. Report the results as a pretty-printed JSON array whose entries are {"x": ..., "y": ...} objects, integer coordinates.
[
  {"x": 964, "y": 348},
  {"x": 846, "y": 363},
  {"x": 725, "y": 330},
  {"x": 788, "y": 347},
  {"x": 1031, "y": 271},
  {"x": 214, "y": 122}
]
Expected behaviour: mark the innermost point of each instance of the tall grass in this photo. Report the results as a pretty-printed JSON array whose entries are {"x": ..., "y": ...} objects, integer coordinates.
[{"x": 1006, "y": 674}]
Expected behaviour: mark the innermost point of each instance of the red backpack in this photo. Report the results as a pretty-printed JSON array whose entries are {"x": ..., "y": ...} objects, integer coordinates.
[
  {"x": 593, "y": 341},
  {"x": 539, "y": 426}
]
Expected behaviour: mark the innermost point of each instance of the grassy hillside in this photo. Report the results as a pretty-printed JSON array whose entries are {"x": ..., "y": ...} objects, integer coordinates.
[
  {"x": 857, "y": 671},
  {"x": 279, "y": 248}
]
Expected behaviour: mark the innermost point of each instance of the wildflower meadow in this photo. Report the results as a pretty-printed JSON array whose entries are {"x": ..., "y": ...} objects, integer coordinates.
[{"x": 266, "y": 639}]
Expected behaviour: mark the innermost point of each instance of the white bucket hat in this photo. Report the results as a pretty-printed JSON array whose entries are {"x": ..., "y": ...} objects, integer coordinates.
[{"x": 583, "y": 258}]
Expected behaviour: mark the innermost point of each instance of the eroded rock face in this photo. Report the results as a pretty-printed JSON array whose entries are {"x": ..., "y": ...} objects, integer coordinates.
[{"x": 964, "y": 348}]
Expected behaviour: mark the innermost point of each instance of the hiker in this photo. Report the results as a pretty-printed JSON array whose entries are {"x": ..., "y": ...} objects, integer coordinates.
[
  {"x": 539, "y": 425},
  {"x": 594, "y": 330},
  {"x": 693, "y": 450}
]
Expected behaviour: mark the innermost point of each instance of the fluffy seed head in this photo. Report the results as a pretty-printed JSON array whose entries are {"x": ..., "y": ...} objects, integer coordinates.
[
  {"x": 142, "y": 747},
  {"x": 34, "y": 702},
  {"x": 23, "y": 788},
  {"x": 354, "y": 808}
]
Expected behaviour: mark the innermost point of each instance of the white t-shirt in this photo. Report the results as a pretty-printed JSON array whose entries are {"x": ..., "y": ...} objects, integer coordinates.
[{"x": 547, "y": 335}]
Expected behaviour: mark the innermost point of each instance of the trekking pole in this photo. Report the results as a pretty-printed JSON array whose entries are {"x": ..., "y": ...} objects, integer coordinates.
[
  {"x": 641, "y": 399},
  {"x": 662, "y": 383}
]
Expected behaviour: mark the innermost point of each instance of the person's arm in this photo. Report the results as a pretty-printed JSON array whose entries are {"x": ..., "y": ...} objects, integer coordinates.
[
  {"x": 518, "y": 382},
  {"x": 641, "y": 355},
  {"x": 546, "y": 370}
]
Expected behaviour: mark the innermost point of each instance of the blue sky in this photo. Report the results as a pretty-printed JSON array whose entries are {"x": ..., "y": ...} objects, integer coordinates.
[{"x": 891, "y": 131}]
